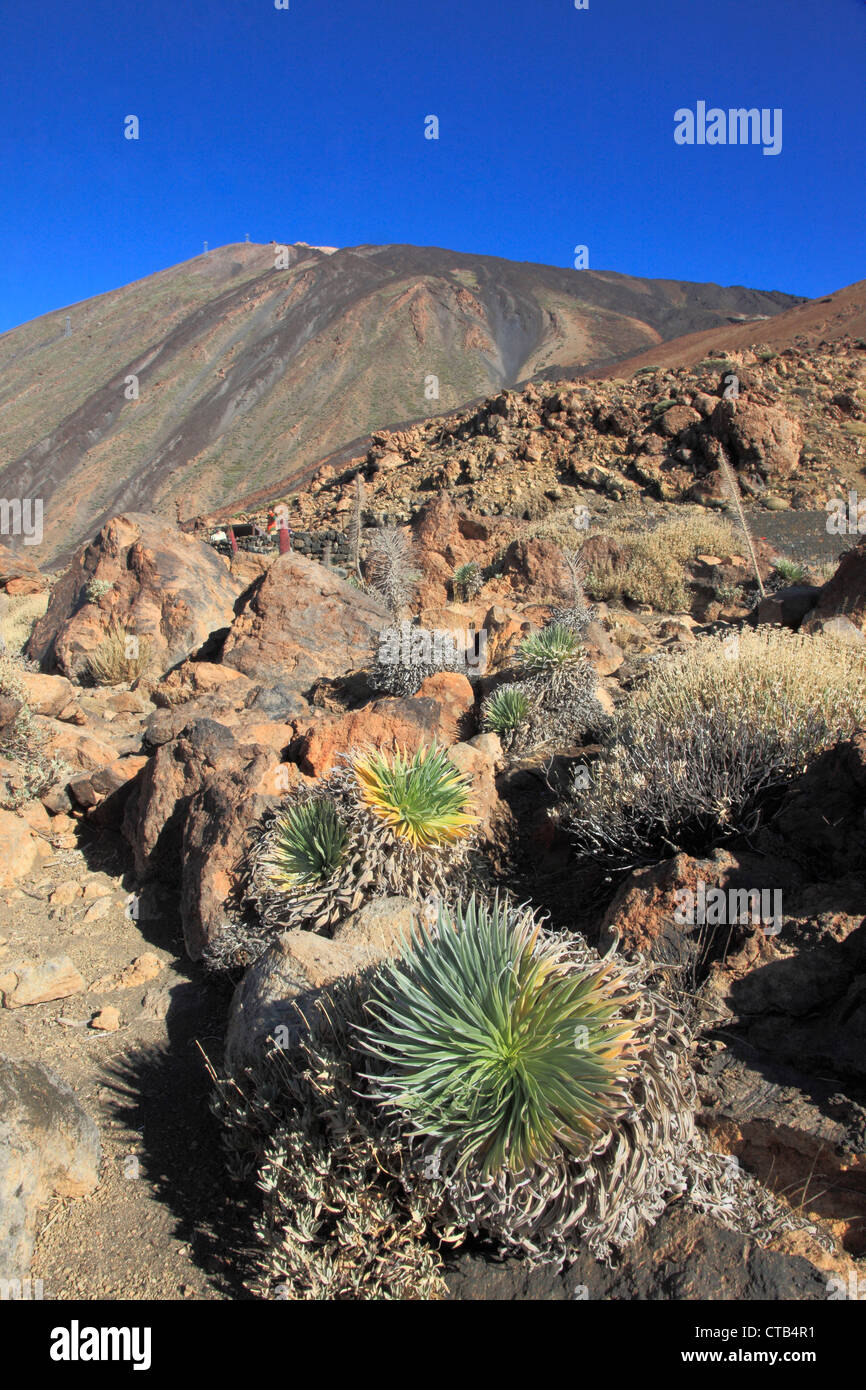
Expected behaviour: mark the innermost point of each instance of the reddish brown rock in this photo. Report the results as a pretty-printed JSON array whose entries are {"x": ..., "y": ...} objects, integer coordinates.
[
  {"x": 437, "y": 531},
  {"x": 480, "y": 759},
  {"x": 93, "y": 788},
  {"x": 601, "y": 553},
  {"x": 505, "y": 631},
  {"x": 302, "y": 622},
  {"x": 213, "y": 854},
  {"x": 270, "y": 1000},
  {"x": 602, "y": 651},
  {"x": 389, "y": 724},
  {"x": 795, "y": 1146},
  {"x": 196, "y": 678},
  {"x": 19, "y": 573},
  {"x": 55, "y": 978},
  {"x": 22, "y": 849},
  {"x": 537, "y": 572},
  {"x": 758, "y": 436},
  {"x": 677, "y": 420},
  {"x": 166, "y": 587},
  {"x": 77, "y": 746},
  {"x": 51, "y": 695},
  {"x": 455, "y": 697},
  {"x": 32, "y": 584},
  {"x": 156, "y": 811},
  {"x": 642, "y": 913}
]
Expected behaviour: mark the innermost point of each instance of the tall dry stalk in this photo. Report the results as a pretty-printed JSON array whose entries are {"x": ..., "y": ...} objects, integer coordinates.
[{"x": 733, "y": 489}]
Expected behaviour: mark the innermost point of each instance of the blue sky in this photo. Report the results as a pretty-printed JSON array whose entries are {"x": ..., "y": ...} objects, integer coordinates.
[{"x": 556, "y": 129}]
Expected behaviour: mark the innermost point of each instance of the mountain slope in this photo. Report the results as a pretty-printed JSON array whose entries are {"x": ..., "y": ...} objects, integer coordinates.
[
  {"x": 247, "y": 374},
  {"x": 838, "y": 315}
]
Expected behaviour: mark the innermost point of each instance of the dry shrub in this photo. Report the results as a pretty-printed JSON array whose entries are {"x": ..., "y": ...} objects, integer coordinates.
[
  {"x": 655, "y": 572},
  {"x": 120, "y": 658},
  {"x": 23, "y": 742},
  {"x": 707, "y": 744}
]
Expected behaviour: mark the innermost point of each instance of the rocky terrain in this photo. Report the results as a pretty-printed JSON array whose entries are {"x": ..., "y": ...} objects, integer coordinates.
[
  {"x": 244, "y": 367},
  {"x": 160, "y": 699},
  {"x": 620, "y": 446}
]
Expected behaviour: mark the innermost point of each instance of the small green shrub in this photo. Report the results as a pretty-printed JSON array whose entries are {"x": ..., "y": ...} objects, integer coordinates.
[
  {"x": 713, "y": 364},
  {"x": 655, "y": 571},
  {"x": 407, "y": 655},
  {"x": 730, "y": 594},
  {"x": 506, "y": 711},
  {"x": 95, "y": 588},
  {"x": 468, "y": 581},
  {"x": 789, "y": 571},
  {"x": 23, "y": 743}
]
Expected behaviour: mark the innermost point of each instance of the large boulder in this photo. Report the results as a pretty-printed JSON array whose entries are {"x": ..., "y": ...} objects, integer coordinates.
[
  {"x": 685, "y": 1256},
  {"x": 301, "y": 622},
  {"x": 281, "y": 985},
  {"x": 157, "y": 808},
  {"x": 49, "y": 1148},
  {"x": 537, "y": 572},
  {"x": 820, "y": 819},
  {"x": 389, "y": 724},
  {"x": 787, "y": 607},
  {"x": 758, "y": 437},
  {"x": 232, "y": 797},
  {"x": 146, "y": 577},
  {"x": 189, "y": 813},
  {"x": 799, "y": 1138}
]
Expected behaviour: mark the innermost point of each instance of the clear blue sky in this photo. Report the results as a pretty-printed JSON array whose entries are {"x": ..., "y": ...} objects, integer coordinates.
[{"x": 556, "y": 129}]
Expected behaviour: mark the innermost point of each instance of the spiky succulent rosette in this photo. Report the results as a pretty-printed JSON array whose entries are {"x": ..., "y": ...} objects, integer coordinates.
[
  {"x": 378, "y": 824},
  {"x": 359, "y": 1201},
  {"x": 550, "y": 1086},
  {"x": 638, "y": 1150},
  {"x": 495, "y": 1045},
  {"x": 561, "y": 683},
  {"x": 423, "y": 799}
]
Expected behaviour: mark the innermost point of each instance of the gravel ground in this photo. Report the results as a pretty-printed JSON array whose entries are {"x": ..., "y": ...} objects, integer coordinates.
[{"x": 801, "y": 535}]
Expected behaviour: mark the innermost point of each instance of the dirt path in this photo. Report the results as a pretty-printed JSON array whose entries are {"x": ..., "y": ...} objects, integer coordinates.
[{"x": 156, "y": 1227}]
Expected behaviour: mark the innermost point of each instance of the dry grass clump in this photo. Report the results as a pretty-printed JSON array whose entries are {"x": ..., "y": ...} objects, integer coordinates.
[
  {"x": 17, "y": 618},
  {"x": 709, "y": 741},
  {"x": 121, "y": 658},
  {"x": 654, "y": 573}
]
